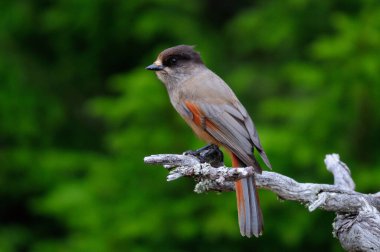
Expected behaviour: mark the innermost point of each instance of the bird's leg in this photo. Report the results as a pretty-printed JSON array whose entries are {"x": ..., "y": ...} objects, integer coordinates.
[
  {"x": 212, "y": 155},
  {"x": 197, "y": 152},
  {"x": 208, "y": 154}
]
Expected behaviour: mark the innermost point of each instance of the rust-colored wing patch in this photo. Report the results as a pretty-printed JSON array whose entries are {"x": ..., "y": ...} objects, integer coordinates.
[{"x": 198, "y": 117}]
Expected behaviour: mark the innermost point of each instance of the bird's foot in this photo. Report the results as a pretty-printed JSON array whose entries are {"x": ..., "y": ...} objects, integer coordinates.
[
  {"x": 197, "y": 152},
  {"x": 208, "y": 154}
]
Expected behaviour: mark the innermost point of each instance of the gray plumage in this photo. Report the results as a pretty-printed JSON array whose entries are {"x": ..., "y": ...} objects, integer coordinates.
[{"x": 215, "y": 114}]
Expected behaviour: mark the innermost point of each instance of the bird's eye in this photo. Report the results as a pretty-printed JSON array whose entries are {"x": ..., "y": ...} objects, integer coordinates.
[{"x": 173, "y": 60}]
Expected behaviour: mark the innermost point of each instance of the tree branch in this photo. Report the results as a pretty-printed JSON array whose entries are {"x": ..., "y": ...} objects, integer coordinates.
[{"x": 357, "y": 224}]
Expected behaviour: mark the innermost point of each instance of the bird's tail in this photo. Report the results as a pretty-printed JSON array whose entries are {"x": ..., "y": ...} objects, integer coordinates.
[{"x": 249, "y": 211}]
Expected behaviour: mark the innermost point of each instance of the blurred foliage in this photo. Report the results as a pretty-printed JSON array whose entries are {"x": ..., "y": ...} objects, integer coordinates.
[{"x": 78, "y": 113}]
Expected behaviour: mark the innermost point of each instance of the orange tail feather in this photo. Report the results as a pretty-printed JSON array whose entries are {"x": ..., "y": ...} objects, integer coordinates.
[{"x": 249, "y": 211}]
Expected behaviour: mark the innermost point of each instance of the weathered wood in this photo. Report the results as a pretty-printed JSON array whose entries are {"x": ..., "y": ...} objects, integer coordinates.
[{"x": 357, "y": 224}]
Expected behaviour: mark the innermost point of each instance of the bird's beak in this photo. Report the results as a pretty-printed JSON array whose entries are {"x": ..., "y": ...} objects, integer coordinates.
[{"x": 154, "y": 67}]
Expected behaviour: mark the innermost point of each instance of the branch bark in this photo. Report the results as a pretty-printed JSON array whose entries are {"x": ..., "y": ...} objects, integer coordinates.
[{"x": 357, "y": 222}]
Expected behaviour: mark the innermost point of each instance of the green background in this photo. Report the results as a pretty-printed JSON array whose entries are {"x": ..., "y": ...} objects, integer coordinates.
[{"x": 78, "y": 112}]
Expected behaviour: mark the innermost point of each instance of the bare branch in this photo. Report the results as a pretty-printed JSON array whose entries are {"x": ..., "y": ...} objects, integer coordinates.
[
  {"x": 342, "y": 174},
  {"x": 357, "y": 224}
]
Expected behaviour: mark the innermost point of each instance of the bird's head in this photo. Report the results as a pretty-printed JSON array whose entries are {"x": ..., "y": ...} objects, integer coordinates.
[{"x": 176, "y": 64}]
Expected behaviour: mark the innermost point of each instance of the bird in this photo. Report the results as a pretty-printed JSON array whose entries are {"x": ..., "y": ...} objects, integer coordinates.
[{"x": 210, "y": 107}]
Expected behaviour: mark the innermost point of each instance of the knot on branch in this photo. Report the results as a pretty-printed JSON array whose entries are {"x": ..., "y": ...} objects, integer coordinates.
[{"x": 359, "y": 232}]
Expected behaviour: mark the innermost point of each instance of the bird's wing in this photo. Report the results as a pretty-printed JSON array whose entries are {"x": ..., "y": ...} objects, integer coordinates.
[
  {"x": 208, "y": 102},
  {"x": 253, "y": 133},
  {"x": 226, "y": 124}
]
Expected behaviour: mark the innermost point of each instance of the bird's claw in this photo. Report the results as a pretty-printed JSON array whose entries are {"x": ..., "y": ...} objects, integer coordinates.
[{"x": 209, "y": 154}]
